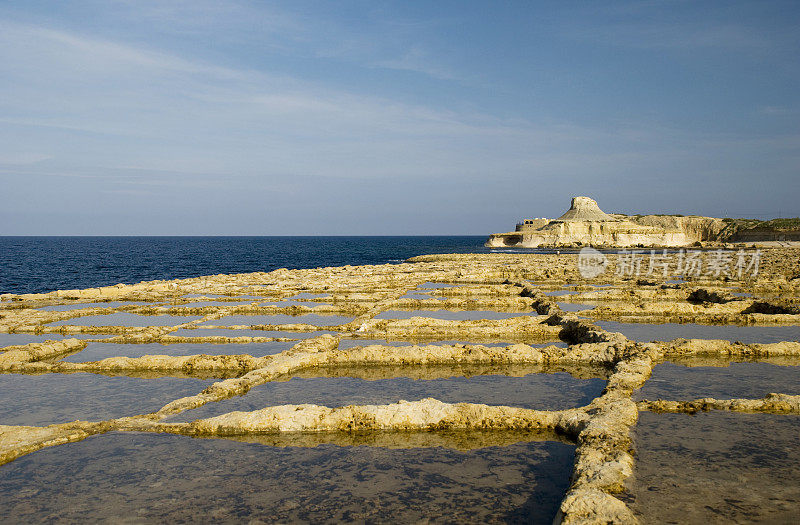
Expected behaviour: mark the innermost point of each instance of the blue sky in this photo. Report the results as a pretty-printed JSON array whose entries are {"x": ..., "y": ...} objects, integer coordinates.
[{"x": 327, "y": 118}]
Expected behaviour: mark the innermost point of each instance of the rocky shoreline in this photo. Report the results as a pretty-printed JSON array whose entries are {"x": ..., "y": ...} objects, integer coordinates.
[
  {"x": 552, "y": 336},
  {"x": 585, "y": 224}
]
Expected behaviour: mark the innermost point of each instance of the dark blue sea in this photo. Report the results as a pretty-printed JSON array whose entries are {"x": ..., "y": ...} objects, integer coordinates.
[{"x": 43, "y": 264}]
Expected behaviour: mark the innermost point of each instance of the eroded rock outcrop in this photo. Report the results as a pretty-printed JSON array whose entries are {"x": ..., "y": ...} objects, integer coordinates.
[
  {"x": 379, "y": 348},
  {"x": 585, "y": 224}
]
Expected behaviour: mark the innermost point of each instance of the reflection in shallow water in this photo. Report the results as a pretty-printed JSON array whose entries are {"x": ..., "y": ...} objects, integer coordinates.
[
  {"x": 126, "y": 319},
  {"x": 60, "y": 398},
  {"x": 162, "y": 478},
  {"x": 716, "y": 467},
  {"x": 350, "y": 343},
  {"x": 670, "y": 331},
  {"x": 373, "y": 372},
  {"x": 463, "y": 440},
  {"x": 98, "y": 351},
  {"x": 745, "y": 380},
  {"x": 540, "y": 391},
  {"x": 248, "y": 320},
  {"x": 464, "y": 315}
]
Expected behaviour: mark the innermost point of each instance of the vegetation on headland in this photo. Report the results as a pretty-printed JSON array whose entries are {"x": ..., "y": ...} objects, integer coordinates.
[
  {"x": 780, "y": 224},
  {"x": 735, "y": 226}
]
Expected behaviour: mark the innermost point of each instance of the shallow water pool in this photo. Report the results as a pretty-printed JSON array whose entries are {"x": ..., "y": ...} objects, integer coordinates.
[
  {"x": 554, "y": 391},
  {"x": 60, "y": 398},
  {"x": 277, "y": 319},
  {"x": 78, "y": 306},
  {"x": 451, "y": 315},
  {"x": 98, "y": 351},
  {"x": 245, "y": 332},
  {"x": 716, "y": 467},
  {"x": 575, "y": 307},
  {"x": 158, "y": 478},
  {"x": 349, "y": 343},
  {"x": 669, "y": 331},
  {"x": 737, "y": 380},
  {"x": 126, "y": 319}
]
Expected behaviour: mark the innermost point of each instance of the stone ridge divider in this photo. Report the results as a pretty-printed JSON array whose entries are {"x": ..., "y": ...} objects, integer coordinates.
[
  {"x": 17, "y": 441},
  {"x": 706, "y": 305},
  {"x": 600, "y": 430},
  {"x": 15, "y": 358},
  {"x": 771, "y": 404}
]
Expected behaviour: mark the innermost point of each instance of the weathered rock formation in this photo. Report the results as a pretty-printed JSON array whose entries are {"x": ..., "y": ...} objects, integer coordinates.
[
  {"x": 369, "y": 347},
  {"x": 586, "y": 224}
]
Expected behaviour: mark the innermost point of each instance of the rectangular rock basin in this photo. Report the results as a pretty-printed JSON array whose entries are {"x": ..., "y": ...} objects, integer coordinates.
[
  {"x": 245, "y": 332},
  {"x": 432, "y": 286},
  {"x": 350, "y": 343},
  {"x": 669, "y": 331},
  {"x": 59, "y": 398},
  {"x": 737, "y": 380},
  {"x": 160, "y": 478},
  {"x": 126, "y": 319},
  {"x": 450, "y": 315},
  {"x": 716, "y": 467},
  {"x": 575, "y": 307},
  {"x": 203, "y": 304},
  {"x": 98, "y": 351},
  {"x": 288, "y": 303},
  {"x": 539, "y": 391},
  {"x": 249, "y": 320},
  {"x": 79, "y": 306}
]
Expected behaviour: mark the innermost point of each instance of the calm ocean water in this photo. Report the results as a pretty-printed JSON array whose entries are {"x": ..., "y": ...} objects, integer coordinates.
[{"x": 42, "y": 264}]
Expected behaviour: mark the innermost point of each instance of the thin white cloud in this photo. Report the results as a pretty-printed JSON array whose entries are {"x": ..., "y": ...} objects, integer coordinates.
[
  {"x": 135, "y": 116},
  {"x": 20, "y": 158},
  {"x": 419, "y": 61},
  {"x": 98, "y": 53}
]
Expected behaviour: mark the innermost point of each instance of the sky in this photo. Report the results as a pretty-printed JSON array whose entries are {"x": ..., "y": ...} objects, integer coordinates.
[{"x": 391, "y": 118}]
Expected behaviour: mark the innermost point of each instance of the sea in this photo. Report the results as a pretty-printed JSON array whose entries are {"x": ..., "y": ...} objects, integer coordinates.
[{"x": 43, "y": 264}]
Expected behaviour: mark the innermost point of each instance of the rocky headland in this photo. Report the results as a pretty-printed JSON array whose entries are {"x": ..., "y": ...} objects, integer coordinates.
[{"x": 585, "y": 224}]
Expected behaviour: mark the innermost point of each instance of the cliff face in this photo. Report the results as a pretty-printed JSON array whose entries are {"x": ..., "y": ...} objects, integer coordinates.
[
  {"x": 695, "y": 227},
  {"x": 586, "y": 224}
]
